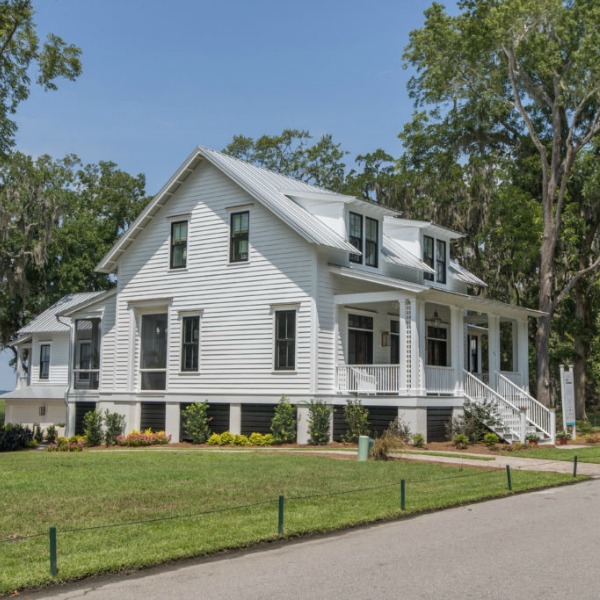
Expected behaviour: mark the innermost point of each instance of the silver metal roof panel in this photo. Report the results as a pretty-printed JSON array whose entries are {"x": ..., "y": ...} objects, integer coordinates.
[
  {"x": 395, "y": 253},
  {"x": 459, "y": 272}
]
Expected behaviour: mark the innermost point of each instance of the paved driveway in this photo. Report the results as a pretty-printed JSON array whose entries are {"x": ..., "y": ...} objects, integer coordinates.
[{"x": 542, "y": 545}]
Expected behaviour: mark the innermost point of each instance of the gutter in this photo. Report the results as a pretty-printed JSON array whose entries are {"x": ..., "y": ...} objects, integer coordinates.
[{"x": 69, "y": 369}]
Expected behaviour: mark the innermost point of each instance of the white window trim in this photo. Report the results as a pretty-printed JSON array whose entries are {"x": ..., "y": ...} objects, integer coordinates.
[
  {"x": 149, "y": 307},
  {"x": 275, "y": 308},
  {"x": 181, "y": 314},
  {"x": 231, "y": 210},
  {"x": 39, "y": 361}
]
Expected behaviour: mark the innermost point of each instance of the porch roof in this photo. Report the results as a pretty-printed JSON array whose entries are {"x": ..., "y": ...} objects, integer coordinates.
[
  {"x": 479, "y": 304},
  {"x": 392, "y": 282}
]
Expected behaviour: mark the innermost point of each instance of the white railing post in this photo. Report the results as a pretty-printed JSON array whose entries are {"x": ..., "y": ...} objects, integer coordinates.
[
  {"x": 553, "y": 425},
  {"x": 523, "y": 424}
]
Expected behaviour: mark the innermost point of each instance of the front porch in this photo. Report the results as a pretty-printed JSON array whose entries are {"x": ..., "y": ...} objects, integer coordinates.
[{"x": 385, "y": 379}]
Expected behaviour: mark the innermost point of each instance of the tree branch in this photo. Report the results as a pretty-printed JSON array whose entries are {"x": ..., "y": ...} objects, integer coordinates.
[{"x": 595, "y": 266}]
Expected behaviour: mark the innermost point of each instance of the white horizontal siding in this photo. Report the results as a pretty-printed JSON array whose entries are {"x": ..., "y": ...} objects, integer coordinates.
[
  {"x": 237, "y": 326},
  {"x": 59, "y": 358}
]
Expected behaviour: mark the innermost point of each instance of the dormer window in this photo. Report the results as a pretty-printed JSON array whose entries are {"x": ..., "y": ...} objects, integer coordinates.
[
  {"x": 364, "y": 238},
  {"x": 356, "y": 236},
  {"x": 435, "y": 255}
]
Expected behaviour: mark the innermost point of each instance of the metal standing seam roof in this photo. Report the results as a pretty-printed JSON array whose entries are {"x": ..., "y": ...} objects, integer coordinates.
[
  {"x": 395, "y": 253},
  {"x": 47, "y": 322},
  {"x": 268, "y": 187},
  {"x": 464, "y": 275}
]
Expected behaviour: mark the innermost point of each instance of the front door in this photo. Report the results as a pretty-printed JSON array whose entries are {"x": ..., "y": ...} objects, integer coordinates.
[
  {"x": 473, "y": 354},
  {"x": 360, "y": 340}
]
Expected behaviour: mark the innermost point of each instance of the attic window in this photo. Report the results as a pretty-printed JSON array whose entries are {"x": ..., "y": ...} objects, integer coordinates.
[
  {"x": 355, "y": 228},
  {"x": 239, "y": 230},
  {"x": 179, "y": 235}
]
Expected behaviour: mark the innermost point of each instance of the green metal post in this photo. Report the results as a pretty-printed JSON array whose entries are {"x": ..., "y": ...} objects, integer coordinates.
[
  {"x": 280, "y": 524},
  {"x": 575, "y": 466},
  {"x": 509, "y": 478},
  {"x": 402, "y": 494},
  {"x": 53, "y": 562}
]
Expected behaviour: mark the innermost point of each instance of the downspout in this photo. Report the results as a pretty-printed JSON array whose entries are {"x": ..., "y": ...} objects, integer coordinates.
[{"x": 69, "y": 371}]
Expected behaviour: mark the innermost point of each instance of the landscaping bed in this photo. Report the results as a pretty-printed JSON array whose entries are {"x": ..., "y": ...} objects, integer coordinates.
[{"x": 187, "y": 503}]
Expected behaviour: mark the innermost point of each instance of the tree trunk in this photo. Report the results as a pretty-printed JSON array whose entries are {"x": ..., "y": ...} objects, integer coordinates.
[{"x": 579, "y": 372}]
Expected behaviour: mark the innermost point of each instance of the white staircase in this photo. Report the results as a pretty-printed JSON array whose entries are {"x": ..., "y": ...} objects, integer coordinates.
[{"x": 518, "y": 413}]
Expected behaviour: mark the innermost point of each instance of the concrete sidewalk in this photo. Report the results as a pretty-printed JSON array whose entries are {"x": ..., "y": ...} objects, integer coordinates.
[{"x": 515, "y": 462}]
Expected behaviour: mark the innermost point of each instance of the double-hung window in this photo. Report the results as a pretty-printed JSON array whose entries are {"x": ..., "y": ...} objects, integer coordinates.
[
  {"x": 440, "y": 261},
  {"x": 435, "y": 255},
  {"x": 190, "y": 343},
  {"x": 355, "y": 223},
  {"x": 45, "y": 361},
  {"x": 363, "y": 234},
  {"x": 179, "y": 237},
  {"x": 239, "y": 233},
  {"x": 285, "y": 340},
  {"x": 428, "y": 259}
]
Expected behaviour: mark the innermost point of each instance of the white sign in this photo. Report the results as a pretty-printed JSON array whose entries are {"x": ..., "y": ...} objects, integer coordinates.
[{"x": 567, "y": 388}]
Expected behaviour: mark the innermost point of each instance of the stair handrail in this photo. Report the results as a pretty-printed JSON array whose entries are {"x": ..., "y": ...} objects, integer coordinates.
[
  {"x": 502, "y": 404},
  {"x": 537, "y": 414}
]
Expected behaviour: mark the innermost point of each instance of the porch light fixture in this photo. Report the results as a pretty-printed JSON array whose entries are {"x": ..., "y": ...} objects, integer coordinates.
[{"x": 385, "y": 339}]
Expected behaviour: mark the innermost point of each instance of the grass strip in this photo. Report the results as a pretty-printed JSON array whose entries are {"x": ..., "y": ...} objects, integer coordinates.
[
  {"x": 183, "y": 496},
  {"x": 448, "y": 454},
  {"x": 585, "y": 455}
]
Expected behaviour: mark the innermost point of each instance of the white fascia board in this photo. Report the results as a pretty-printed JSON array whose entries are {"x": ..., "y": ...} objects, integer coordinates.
[
  {"x": 108, "y": 263},
  {"x": 324, "y": 197}
]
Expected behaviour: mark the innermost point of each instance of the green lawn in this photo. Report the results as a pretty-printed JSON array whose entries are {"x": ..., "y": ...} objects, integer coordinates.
[
  {"x": 589, "y": 455},
  {"x": 95, "y": 489}
]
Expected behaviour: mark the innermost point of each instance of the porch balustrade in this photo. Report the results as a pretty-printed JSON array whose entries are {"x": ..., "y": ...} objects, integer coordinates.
[
  {"x": 369, "y": 379},
  {"x": 441, "y": 380}
]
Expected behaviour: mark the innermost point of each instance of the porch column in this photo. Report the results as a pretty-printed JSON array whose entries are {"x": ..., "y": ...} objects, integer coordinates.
[
  {"x": 457, "y": 351},
  {"x": 493, "y": 348},
  {"x": 421, "y": 349},
  {"x": 522, "y": 356},
  {"x": 410, "y": 374}
]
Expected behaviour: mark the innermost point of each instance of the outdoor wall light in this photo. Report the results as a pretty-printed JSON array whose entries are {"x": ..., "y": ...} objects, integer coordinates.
[{"x": 385, "y": 338}]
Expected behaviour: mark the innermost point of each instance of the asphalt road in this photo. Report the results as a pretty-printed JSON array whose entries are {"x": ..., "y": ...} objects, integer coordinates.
[{"x": 542, "y": 545}]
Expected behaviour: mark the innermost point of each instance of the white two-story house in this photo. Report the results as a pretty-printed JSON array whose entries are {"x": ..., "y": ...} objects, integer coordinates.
[{"x": 237, "y": 285}]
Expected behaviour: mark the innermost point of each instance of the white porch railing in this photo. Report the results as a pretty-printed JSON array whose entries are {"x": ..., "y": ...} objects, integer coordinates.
[
  {"x": 440, "y": 380},
  {"x": 511, "y": 417},
  {"x": 537, "y": 413},
  {"x": 384, "y": 379}
]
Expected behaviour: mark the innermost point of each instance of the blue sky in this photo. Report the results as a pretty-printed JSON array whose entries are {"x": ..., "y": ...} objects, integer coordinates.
[{"x": 162, "y": 77}]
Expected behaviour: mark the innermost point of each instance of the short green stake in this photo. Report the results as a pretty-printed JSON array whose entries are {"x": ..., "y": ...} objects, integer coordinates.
[
  {"x": 575, "y": 466},
  {"x": 280, "y": 523},
  {"x": 53, "y": 563},
  {"x": 402, "y": 494},
  {"x": 509, "y": 478}
]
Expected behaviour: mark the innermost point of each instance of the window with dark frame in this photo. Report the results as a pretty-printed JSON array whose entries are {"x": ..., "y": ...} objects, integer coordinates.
[
  {"x": 371, "y": 242},
  {"x": 440, "y": 261},
  {"x": 45, "y": 361},
  {"x": 179, "y": 236},
  {"x": 428, "y": 258},
  {"x": 190, "y": 343},
  {"x": 437, "y": 346},
  {"x": 239, "y": 230},
  {"x": 355, "y": 227},
  {"x": 285, "y": 340},
  {"x": 153, "y": 363}
]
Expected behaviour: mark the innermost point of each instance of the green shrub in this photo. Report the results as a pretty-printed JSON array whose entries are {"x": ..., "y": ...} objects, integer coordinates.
[
  {"x": 357, "y": 419},
  {"x": 460, "y": 440},
  {"x": 143, "y": 438},
  {"x": 114, "y": 427},
  {"x": 38, "y": 434},
  {"x": 319, "y": 422},
  {"x": 240, "y": 440},
  {"x": 195, "y": 422},
  {"x": 491, "y": 440},
  {"x": 477, "y": 420},
  {"x": 14, "y": 437},
  {"x": 259, "y": 439},
  {"x": 65, "y": 445},
  {"x": 51, "y": 434},
  {"x": 226, "y": 438},
  {"x": 92, "y": 427},
  {"x": 583, "y": 427},
  {"x": 214, "y": 439},
  {"x": 283, "y": 425},
  {"x": 418, "y": 440}
]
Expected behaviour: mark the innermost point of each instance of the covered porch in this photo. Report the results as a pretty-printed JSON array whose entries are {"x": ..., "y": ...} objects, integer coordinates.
[{"x": 420, "y": 344}]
